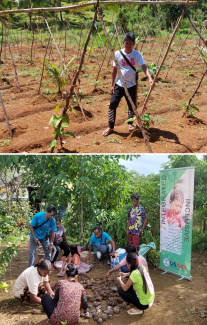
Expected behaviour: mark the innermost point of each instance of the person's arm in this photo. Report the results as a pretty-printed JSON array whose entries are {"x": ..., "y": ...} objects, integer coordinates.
[
  {"x": 113, "y": 246},
  {"x": 35, "y": 299},
  {"x": 123, "y": 275},
  {"x": 84, "y": 302},
  {"x": 48, "y": 288},
  {"x": 115, "y": 268},
  {"x": 56, "y": 297},
  {"x": 144, "y": 224},
  {"x": 125, "y": 286},
  {"x": 89, "y": 253},
  {"x": 64, "y": 237},
  {"x": 127, "y": 230},
  {"x": 146, "y": 71},
  {"x": 113, "y": 78},
  {"x": 32, "y": 231},
  {"x": 52, "y": 237}
]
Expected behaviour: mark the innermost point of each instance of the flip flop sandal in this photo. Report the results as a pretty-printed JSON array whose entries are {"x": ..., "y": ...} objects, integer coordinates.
[
  {"x": 135, "y": 312},
  {"x": 106, "y": 133},
  {"x": 131, "y": 128},
  {"x": 60, "y": 275}
]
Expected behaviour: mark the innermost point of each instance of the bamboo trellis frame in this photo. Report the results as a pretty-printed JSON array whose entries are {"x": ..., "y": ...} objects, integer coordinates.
[
  {"x": 186, "y": 3},
  {"x": 82, "y": 5}
]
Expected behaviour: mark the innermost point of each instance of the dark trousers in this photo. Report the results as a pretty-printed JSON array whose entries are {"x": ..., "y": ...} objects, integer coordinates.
[
  {"x": 131, "y": 297},
  {"x": 64, "y": 246},
  {"x": 48, "y": 305},
  {"x": 119, "y": 92}
]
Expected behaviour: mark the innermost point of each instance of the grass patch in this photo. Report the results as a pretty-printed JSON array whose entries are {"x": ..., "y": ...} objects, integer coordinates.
[{"x": 160, "y": 119}]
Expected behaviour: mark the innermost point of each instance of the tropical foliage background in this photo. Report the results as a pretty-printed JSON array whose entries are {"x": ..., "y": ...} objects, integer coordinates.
[{"x": 94, "y": 190}]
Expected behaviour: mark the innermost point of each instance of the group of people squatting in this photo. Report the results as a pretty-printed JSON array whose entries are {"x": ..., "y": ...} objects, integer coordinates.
[{"x": 64, "y": 304}]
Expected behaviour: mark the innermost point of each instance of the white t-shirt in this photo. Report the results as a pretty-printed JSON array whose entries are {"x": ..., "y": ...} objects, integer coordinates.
[
  {"x": 28, "y": 278},
  {"x": 128, "y": 73}
]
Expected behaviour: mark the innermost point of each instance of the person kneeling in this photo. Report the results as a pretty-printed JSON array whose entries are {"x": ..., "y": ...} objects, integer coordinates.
[
  {"x": 142, "y": 297},
  {"x": 69, "y": 296},
  {"x": 33, "y": 283},
  {"x": 101, "y": 248}
]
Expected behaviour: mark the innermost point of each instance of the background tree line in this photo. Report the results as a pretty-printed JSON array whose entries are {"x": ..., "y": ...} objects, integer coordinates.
[{"x": 160, "y": 16}]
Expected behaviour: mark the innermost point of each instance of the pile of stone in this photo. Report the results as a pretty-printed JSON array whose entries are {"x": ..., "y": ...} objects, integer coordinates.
[{"x": 104, "y": 293}]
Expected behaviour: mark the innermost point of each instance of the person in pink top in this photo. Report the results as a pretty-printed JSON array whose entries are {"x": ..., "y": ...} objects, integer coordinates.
[
  {"x": 172, "y": 215},
  {"x": 123, "y": 264}
]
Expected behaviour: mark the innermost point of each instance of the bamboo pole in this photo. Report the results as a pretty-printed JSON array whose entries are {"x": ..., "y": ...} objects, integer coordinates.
[
  {"x": 33, "y": 27},
  {"x": 5, "y": 45},
  {"x": 7, "y": 121},
  {"x": 167, "y": 67},
  {"x": 43, "y": 65},
  {"x": 65, "y": 41},
  {"x": 64, "y": 66},
  {"x": 2, "y": 38},
  {"x": 57, "y": 30},
  {"x": 79, "y": 69},
  {"x": 99, "y": 34},
  {"x": 21, "y": 37},
  {"x": 107, "y": 48},
  {"x": 125, "y": 88},
  {"x": 163, "y": 59},
  {"x": 194, "y": 26},
  {"x": 178, "y": 52},
  {"x": 17, "y": 82},
  {"x": 117, "y": 34},
  {"x": 154, "y": 3},
  {"x": 205, "y": 72},
  {"x": 79, "y": 44}
]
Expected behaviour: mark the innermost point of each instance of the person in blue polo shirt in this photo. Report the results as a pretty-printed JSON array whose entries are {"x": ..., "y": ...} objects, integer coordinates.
[
  {"x": 39, "y": 233},
  {"x": 98, "y": 239}
]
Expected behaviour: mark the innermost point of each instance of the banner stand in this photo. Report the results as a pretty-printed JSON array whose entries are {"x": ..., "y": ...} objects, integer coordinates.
[
  {"x": 176, "y": 220},
  {"x": 181, "y": 276}
]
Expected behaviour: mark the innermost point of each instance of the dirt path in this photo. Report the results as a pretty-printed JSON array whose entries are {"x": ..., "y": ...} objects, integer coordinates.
[
  {"x": 29, "y": 113},
  {"x": 176, "y": 302}
]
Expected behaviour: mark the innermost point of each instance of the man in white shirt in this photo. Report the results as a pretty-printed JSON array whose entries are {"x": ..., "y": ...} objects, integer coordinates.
[{"x": 129, "y": 75}]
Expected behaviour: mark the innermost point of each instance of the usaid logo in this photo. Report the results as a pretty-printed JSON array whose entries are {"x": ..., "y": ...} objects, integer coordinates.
[
  {"x": 177, "y": 265},
  {"x": 166, "y": 262}
]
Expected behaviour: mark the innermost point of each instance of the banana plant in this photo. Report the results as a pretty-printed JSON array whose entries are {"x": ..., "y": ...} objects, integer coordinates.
[
  {"x": 152, "y": 69},
  {"x": 58, "y": 75}
]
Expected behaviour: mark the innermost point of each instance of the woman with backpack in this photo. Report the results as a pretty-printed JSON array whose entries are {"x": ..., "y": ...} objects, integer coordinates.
[{"x": 139, "y": 289}]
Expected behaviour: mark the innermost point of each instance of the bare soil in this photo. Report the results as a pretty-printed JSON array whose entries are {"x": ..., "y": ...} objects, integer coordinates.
[
  {"x": 176, "y": 302},
  {"x": 29, "y": 113}
]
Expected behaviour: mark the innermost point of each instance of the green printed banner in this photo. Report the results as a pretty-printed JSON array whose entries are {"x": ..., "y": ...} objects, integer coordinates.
[{"x": 176, "y": 220}]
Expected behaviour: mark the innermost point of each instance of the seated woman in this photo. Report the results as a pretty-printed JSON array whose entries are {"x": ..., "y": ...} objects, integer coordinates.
[
  {"x": 139, "y": 289},
  {"x": 33, "y": 283},
  {"x": 73, "y": 258},
  {"x": 60, "y": 241},
  {"x": 69, "y": 296},
  {"x": 123, "y": 264}
]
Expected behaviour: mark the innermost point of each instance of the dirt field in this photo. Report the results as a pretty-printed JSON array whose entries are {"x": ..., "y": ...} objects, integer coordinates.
[
  {"x": 176, "y": 302},
  {"x": 29, "y": 113}
]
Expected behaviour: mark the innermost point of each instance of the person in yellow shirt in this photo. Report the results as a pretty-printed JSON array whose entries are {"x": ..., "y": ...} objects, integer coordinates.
[{"x": 139, "y": 289}]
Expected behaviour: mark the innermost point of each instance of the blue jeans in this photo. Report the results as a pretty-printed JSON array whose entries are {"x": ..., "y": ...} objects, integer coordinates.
[
  {"x": 124, "y": 269},
  {"x": 33, "y": 247}
]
